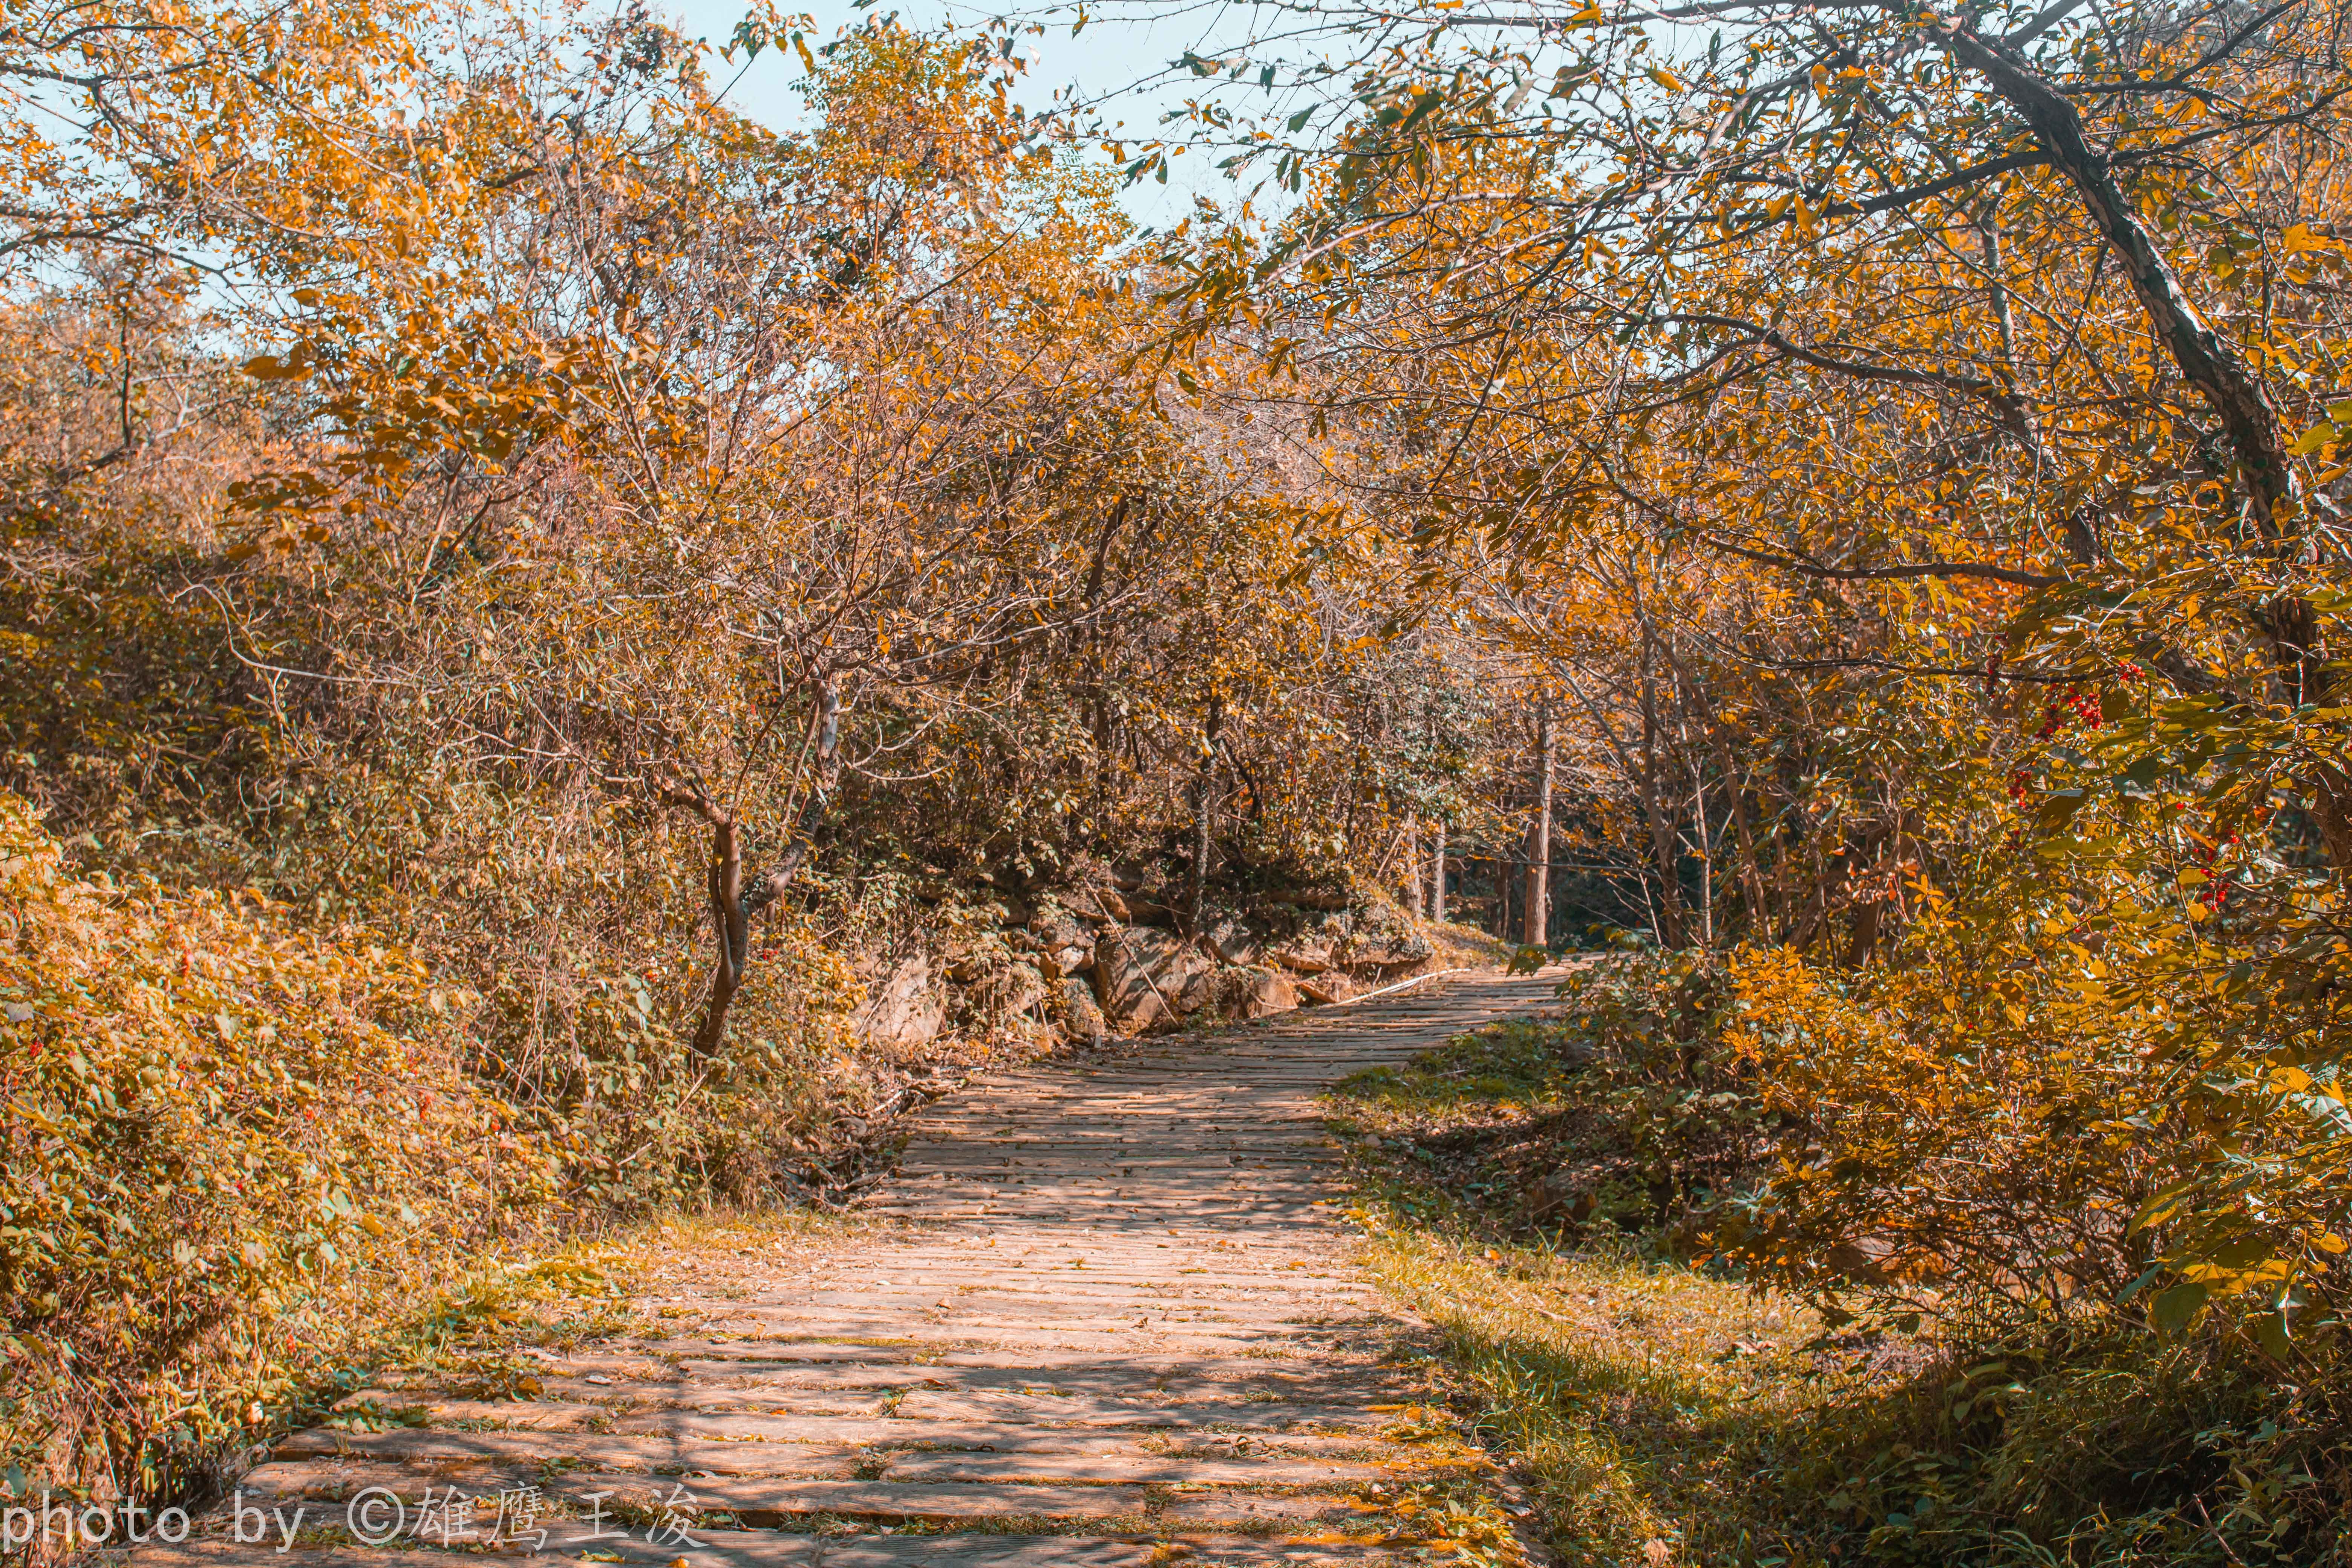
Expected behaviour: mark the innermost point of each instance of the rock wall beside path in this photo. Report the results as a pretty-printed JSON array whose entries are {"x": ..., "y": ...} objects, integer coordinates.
[{"x": 1086, "y": 964}]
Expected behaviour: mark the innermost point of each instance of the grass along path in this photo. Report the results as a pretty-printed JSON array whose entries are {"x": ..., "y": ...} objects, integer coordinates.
[
  {"x": 1651, "y": 1411},
  {"x": 1639, "y": 1402}
]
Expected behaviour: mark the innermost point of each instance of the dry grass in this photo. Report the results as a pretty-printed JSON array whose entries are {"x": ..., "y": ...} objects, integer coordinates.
[
  {"x": 1628, "y": 1391},
  {"x": 1463, "y": 947},
  {"x": 1628, "y": 1394}
]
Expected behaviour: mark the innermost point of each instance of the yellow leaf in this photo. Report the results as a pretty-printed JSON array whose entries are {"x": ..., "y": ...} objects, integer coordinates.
[{"x": 2316, "y": 438}]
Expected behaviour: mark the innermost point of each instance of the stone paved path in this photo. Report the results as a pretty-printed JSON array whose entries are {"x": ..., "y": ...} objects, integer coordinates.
[{"x": 1112, "y": 1324}]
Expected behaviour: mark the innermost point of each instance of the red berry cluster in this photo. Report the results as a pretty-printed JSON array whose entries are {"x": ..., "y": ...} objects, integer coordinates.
[
  {"x": 2072, "y": 705},
  {"x": 2217, "y": 891},
  {"x": 2021, "y": 781}
]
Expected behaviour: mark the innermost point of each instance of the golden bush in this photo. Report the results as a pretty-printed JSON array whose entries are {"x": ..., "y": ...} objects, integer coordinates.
[{"x": 223, "y": 1134}]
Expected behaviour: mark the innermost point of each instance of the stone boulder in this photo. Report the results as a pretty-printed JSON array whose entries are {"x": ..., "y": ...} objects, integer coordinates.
[
  {"x": 966, "y": 963},
  {"x": 1017, "y": 989},
  {"x": 1064, "y": 945},
  {"x": 1231, "y": 942},
  {"x": 1256, "y": 992},
  {"x": 1383, "y": 938},
  {"x": 1144, "y": 976},
  {"x": 1061, "y": 962},
  {"x": 1326, "y": 988},
  {"x": 1313, "y": 948},
  {"x": 1074, "y": 1012},
  {"x": 1124, "y": 983},
  {"x": 903, "y": 1007}
]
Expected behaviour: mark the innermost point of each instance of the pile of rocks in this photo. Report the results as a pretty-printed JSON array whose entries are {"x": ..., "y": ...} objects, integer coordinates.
[{"x": 1092, "y": 962}]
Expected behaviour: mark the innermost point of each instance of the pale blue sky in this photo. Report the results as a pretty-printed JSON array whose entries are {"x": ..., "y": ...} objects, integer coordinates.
[{"x": 1105, "y": 58}]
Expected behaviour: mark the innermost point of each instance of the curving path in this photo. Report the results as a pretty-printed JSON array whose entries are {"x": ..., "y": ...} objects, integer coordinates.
[{"x": 1105, "y": 1317}]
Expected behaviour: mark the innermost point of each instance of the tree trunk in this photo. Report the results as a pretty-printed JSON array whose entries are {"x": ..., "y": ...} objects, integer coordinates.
[
  {"x": 1662, "y": 834},
  {"x": 1751, "y": 877},
  {"x": 1706, "y": 855},
  {"x": 1412, "y": 867},
  {"x": 1098, "y": 699},
  {"x": 732, "y": 905},
  {"x": 1437, "y": 875},
  {"x": 732, "y": 931},
  {"x": 1538, "y": 930},
  {"x": 2237, "y": 395},
  {"x": 1203, "y": 804},
  {"x": 1760, "y": 916}
]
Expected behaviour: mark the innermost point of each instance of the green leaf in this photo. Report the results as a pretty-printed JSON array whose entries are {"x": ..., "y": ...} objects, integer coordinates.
[
  {"x": 2058, "y": 808},
  {"x": 2176, "y": 1308}
]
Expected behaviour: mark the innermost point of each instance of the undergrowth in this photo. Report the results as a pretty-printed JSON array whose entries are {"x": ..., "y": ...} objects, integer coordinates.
[
  {"x": 1662, "y": 1413},
  {"x": 237, "y": 1152}
]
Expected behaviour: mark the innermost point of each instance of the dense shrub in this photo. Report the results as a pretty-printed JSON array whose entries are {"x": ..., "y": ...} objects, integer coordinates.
[
  {"x": 226, "y": 1138},
  {"x": 2025, "y": 1122}
]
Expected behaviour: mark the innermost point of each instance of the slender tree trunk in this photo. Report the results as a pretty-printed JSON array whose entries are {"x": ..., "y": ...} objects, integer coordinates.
[
  {"x": 1665, "y": 854},
  {"x": 2239, "y": 399},
  {"x": 1204, "y": 803},
  {"x": 732, "y": 931},
  {"x": 1752, "y": 876},
  {"x": 1098, "y": 703},
  {"x": 1538, "y": 930},
  {"x": 1705, "y": 857},
  {"x": 1437, "y": 875},
  {"x": 732, "y": 904},
  {"x": 1412, "y": 867},
  {"x": 1198, "y": 877},
  {"x": 1662, "y": 834},
  {"x": 2235, "y": 392}
]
